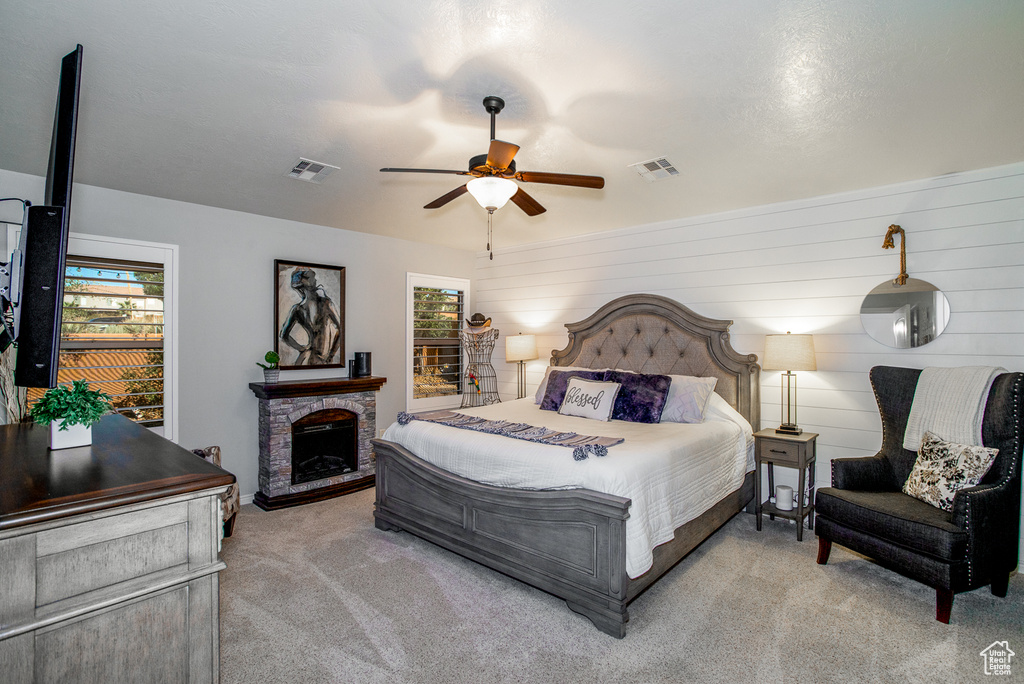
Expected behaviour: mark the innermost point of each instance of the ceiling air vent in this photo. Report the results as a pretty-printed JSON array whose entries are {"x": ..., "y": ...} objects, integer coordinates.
[
  {"x": 655, "y": 169},
  {"x": 312, "y": 171}
]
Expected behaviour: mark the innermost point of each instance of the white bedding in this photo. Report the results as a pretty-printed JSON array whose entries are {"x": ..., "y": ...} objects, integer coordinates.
[{"x": 672, "y": 472}]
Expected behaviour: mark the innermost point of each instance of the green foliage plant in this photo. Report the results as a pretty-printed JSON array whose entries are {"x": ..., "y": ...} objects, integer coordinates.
[
  {"x": 74, "y": 405},
  {"x": 271, "y": 357}
]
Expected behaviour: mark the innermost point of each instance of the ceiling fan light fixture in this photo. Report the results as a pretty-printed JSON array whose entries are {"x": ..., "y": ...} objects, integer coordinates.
[{"x": 491, "y": 192}]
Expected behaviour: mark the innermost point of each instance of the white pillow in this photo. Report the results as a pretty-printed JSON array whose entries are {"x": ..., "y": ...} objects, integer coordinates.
[
  {"x": 687, "y": 399},
  {"x": 543, "y": 386},
  {"x": 589, "y": 399},
  {"x": 718, "y": 407}
]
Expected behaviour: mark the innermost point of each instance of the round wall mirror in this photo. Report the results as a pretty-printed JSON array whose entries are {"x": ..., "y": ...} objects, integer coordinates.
[{"x": 905, "y": 316}]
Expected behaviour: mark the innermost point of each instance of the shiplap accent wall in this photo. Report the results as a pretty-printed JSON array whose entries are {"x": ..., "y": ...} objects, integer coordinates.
[{"x": 801, "y": 266}]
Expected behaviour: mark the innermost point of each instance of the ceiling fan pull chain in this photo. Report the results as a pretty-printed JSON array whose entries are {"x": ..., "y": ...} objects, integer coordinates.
[{"x": 490, "y": 215}]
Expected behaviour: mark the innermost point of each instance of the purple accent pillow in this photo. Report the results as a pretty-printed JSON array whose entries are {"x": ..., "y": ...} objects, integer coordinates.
[
  {"x": 558, "y": 383},
  {"x": 642, "y": 397}
]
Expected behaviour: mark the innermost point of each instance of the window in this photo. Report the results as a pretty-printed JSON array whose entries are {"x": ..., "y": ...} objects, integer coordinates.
[
  {"x": 115, "y": 342},
  {"x": 117, "y": 328},
  {"x": 436, "y": 312}
]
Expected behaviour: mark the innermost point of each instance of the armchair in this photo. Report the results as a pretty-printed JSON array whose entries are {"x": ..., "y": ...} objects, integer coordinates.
[
  {"x": 229, "y": 500},
  {"x": 973, "y": 545}
]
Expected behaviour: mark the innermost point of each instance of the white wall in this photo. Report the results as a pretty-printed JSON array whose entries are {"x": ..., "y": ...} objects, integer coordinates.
[
  {"x": 799, "y": 266},
  {"x": 226, "y": 318}
]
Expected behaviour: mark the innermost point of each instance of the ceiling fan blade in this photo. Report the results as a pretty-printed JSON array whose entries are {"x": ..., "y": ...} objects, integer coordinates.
[
  {"x": 460, "y": 173},
  {"x": 445, "y": 199},
  {"x": 500, "y": 154},
  {"x": 531, "y": 206},
  {"x": 595, "y": 182}
]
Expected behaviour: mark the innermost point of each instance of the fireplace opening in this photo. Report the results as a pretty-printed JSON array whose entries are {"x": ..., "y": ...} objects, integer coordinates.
[{"x": 324, "y": 443}]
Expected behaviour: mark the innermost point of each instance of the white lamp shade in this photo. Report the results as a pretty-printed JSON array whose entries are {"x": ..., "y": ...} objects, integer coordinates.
[
  {"x": 492, "y": 192},
  {"x": 789, "y": 352},
  {"x": 520, "y": 348}
]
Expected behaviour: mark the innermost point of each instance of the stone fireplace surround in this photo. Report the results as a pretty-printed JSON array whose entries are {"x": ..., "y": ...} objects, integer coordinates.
[{"x": 280, "y": 405}]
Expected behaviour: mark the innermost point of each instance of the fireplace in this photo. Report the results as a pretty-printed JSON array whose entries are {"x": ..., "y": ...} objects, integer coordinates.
[
  {"x": 315, "y": 439},
  {"x": 325, "y": 443}
]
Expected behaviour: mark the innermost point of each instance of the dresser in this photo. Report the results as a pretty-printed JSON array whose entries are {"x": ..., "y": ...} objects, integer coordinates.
[{"x": 109, "y": 557}]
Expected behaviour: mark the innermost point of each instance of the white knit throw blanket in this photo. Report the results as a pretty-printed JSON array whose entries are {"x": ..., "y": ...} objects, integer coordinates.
[{"x": 950, "y": 403}]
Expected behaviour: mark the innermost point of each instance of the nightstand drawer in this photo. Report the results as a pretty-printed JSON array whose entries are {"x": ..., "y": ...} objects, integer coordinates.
[{"x": 778, "y": 451}]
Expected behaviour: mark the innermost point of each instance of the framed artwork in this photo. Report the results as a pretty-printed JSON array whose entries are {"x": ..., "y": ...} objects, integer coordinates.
[{"x": 309, "y": 314}]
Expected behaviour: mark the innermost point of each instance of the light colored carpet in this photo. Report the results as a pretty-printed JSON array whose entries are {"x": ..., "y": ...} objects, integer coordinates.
[{"x": 317, "y": 594}]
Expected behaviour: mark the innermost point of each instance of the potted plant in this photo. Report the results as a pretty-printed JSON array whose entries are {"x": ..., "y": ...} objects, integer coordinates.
[
  {"x": 271, "y": 371},
  {"x": 70, "y": 413}
]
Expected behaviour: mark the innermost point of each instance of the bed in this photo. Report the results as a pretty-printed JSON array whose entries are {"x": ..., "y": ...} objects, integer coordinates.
[{"x": 573, "y": 542}]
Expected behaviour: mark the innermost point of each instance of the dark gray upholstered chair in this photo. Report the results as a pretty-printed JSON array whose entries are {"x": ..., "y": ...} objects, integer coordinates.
[{"x": 865, "y": 509}]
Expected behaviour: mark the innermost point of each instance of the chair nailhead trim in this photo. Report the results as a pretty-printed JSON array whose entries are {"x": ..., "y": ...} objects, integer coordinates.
[{"x": 1009, "y": 473}]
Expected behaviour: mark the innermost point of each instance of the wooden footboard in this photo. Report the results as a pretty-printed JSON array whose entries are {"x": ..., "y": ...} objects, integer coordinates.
[{"x": 570, "y": 543}]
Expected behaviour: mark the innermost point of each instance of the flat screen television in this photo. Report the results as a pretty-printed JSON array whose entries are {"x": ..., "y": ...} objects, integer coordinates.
[{"x": 35, "y": 296}]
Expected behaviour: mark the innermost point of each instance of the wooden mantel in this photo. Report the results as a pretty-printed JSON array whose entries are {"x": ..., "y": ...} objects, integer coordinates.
[{"x": 316, "y": 387}]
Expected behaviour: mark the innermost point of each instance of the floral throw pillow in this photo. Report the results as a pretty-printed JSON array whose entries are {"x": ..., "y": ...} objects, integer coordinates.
[{"x": 944, "y": 468}]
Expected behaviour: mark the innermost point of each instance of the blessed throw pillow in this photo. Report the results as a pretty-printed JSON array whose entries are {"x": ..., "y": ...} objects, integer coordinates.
[
  {"x": 558, "y": 382},
  {"x": 589, "y": 399},
  {"x": 688, "y": 399},
  {"x": 642, "y": 397},
  {"x": 542, "y": 388},
  {"x": 944, "y": 468}
]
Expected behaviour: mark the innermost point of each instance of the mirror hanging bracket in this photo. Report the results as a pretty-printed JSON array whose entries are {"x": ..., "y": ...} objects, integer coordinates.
[{"x": 901, "y": 279}]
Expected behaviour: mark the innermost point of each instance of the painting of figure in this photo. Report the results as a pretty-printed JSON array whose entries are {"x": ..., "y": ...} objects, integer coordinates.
[{"x": 310, "y": 315}]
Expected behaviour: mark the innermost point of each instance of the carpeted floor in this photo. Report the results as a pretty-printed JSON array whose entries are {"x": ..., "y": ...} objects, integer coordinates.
[{"x": 317, "y": 594}]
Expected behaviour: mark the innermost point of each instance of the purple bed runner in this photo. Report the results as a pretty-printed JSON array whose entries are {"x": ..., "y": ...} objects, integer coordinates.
[{"x": 582, "y": 445}]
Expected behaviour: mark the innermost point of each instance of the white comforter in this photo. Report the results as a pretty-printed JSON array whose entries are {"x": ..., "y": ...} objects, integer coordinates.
[{"x": 672, "y": 472}]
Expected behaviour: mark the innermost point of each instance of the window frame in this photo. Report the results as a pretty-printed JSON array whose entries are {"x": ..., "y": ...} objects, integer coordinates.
[
  {"x": 421, "y": 280},
  {"x": 102, "y": 246}
]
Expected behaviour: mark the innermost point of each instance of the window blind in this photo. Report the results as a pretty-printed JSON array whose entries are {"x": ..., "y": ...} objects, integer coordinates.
[
  {"x": 437, "y": 357},
  {"x": 112, "y": 334}
]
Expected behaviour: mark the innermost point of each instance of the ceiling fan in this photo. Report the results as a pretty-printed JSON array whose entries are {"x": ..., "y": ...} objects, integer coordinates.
[{"x": 493, "y": 173}]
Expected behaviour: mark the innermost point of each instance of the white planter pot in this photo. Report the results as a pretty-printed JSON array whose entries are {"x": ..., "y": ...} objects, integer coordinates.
[
  {"x": 271, "y": 375},
  {"x": 74, "y": 436}
]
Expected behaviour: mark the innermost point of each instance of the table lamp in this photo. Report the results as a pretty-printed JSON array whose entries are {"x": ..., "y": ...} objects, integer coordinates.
[
  {"x": 521, "y": 348},
  {"x": 789, "y": 353}
]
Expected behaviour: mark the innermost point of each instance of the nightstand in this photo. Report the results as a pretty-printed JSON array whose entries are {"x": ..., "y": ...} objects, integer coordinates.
[{"x": 791, "y": 451}]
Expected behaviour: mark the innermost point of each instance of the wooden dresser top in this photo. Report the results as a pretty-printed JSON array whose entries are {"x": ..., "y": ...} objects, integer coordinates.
[{"x": 126, "y": 463}]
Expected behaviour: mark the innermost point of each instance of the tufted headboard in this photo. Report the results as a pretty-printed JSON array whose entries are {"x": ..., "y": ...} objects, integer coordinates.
[{"x": 649, "y": 333}]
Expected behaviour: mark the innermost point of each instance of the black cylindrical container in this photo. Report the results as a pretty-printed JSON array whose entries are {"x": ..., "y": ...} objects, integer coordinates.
[
  {"x": 362, "y": 364},
  {"x": 351, "y": 368}
]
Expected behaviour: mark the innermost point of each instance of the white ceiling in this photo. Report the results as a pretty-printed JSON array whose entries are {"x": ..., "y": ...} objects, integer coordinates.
[{"x": 754, "y": 101}]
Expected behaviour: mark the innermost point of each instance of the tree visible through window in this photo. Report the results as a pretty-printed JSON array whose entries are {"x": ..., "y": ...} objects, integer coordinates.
[
  {"x": 437, "y": 357},
  {"x": 112, "y": 333}
]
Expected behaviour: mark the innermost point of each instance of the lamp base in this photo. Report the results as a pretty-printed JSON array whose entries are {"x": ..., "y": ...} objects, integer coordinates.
[
  {"x": 789, "y": 429},
  {"x": 521, "y": 380}
]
